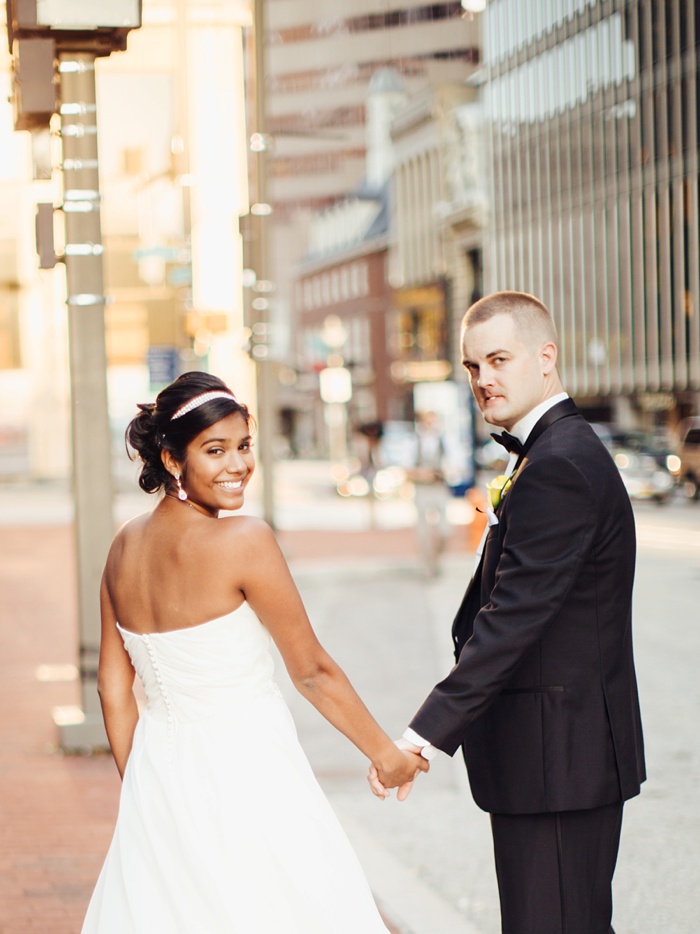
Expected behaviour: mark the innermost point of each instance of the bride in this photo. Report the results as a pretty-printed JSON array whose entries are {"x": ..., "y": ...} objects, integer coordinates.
[{"x": 222, "y": 827}]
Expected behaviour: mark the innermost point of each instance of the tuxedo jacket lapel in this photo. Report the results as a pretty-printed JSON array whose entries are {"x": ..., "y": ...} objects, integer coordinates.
[
  {"x": 468, "y": 608},
  {"x": 471, "y": 603},
  {"x": 563, "y": 409}
]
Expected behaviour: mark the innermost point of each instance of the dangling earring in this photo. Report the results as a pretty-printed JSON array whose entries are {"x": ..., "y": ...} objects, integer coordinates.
[{"x": 181, "y": 493}]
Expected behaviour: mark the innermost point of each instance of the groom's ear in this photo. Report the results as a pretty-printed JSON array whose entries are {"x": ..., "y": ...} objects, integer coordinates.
[{"x": 548, "y": 357}]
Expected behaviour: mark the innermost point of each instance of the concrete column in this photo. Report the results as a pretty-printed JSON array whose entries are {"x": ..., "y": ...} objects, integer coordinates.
[{"x": 212, "y": 72}]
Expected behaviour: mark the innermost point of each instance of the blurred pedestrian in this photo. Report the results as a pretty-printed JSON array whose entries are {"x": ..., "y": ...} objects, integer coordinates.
[
  {"x": 222, "y": 827},
  {"x": 543, "y": 698},
  {"x": 431, "y": 492}
]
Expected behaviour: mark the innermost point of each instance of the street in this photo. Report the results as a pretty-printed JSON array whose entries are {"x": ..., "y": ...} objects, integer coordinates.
[{"x": 429, "y": 859}]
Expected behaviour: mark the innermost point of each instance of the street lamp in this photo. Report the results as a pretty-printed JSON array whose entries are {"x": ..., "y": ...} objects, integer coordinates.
[{"x": 73, "y": 33}]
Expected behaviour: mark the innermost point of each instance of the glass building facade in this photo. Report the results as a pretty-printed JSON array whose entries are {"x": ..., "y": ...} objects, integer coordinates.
[{"x": 593, "y": 115}]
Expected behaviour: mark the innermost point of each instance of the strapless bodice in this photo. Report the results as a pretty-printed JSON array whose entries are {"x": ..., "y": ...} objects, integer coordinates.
[{"x": 191, "y": 673}]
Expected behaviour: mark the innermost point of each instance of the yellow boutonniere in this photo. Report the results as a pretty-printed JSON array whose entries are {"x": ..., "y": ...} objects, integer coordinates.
[{"x": 497, "y": 489}]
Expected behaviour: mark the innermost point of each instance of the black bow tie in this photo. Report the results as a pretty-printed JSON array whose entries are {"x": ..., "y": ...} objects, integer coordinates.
[{"x": 512, "y": 444}]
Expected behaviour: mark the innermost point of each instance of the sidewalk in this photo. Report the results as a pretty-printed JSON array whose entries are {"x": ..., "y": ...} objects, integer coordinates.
[{"x": 56, "y": 812}]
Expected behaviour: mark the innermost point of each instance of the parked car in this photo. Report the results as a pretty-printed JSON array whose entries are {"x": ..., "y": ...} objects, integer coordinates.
[
  {"x": 647, "y": 462},
  {"x": 689, "y": 454},
  {"x": 657, "y": 444}
]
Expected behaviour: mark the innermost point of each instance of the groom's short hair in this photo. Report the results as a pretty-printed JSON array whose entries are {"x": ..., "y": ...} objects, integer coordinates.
[{"x": 528, "y": 312}]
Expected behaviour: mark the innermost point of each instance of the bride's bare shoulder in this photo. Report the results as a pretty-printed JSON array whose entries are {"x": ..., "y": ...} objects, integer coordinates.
[
  {"x": 135, "y": 524},
  {"x": 250, "y": 528},
  {"x": 248, "y": 533},
  {"x": 130, "y": 529},
  {"x": 125, "y": 538}
]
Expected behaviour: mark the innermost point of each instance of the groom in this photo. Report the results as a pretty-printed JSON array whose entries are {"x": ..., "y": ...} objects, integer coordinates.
[{"x": 543, "y": 698}]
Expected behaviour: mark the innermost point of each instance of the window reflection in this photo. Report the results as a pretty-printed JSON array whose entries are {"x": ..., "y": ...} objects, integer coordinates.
[{"x": 595, "y": 181}]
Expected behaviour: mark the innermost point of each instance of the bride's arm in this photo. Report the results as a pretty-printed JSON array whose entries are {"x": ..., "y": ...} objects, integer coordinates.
[
  {"x": 115, "y": 685},
  {"x": 270, "y": 590}
]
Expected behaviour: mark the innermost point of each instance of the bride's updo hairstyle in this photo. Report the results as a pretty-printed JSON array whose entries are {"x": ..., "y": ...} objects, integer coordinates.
[{"x": 181, "y": 411}]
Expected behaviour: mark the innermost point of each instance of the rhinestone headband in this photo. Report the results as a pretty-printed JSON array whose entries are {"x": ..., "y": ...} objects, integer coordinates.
[{"x": 200, "y": 400}]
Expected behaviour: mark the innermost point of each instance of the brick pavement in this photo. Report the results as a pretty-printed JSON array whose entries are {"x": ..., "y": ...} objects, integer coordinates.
[{"x": 56, "y": 811}]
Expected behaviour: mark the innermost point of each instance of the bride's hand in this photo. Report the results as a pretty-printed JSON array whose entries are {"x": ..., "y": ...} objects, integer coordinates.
[
  {"x": 375, "y": 785},
  {"x": 381, "y": 792},
  {"x": 398, "y": 769}
]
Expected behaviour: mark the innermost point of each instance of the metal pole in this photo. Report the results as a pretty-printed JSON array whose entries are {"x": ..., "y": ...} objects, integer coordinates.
[
  {"x": 92, "y": 478},
  {"x": 262, "y": 327}
]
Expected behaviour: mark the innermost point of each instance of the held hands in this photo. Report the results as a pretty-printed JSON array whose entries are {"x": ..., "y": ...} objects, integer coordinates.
[{"x": 399, "y": 769}]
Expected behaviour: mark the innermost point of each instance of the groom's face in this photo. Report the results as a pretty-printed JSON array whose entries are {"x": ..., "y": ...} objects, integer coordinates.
[{"x": 507, "y": 368}]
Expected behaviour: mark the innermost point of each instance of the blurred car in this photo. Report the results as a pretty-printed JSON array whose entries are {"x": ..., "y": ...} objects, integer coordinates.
[
  {"x": 657, "y": 444},
  {"x": 647, "y": 463},
  {"x": 689, "y": 458},
  {"x": 385, "y": 483}
]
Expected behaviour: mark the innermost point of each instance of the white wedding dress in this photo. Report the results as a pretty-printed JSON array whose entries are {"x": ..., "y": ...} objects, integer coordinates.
[{"x": 222, "y": 827}]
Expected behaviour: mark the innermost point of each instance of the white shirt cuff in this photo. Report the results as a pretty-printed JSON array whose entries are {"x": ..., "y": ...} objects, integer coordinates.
[{"x": 427, "y": 750}]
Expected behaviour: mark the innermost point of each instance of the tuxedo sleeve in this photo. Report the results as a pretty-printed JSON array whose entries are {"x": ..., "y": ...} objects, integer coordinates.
[{"x": 550, "y": 520}]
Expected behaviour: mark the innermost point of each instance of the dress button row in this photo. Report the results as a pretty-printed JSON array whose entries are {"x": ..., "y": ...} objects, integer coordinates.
[{"x": 163, "y": 691}]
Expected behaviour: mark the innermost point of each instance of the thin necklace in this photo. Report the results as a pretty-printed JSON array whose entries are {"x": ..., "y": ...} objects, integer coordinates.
[{"x": 187, "y": 502}]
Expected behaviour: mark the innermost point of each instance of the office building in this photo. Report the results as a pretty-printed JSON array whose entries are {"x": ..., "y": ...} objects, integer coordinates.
[{"x": 593, "y": 108}]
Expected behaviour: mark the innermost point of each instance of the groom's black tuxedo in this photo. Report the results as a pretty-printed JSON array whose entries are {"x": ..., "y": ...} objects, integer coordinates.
[{"x": 543, "y": 698}]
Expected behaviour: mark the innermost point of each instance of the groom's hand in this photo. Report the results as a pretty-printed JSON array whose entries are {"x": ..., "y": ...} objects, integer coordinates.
[{"x": 400, "y": 772}]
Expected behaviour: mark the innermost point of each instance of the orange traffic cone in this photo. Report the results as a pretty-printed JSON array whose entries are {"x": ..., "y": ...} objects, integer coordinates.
[{"x": 475, "y": 529}]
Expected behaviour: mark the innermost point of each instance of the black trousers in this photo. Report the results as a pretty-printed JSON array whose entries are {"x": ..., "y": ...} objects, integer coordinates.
[{"x": 555, "y": 870}]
